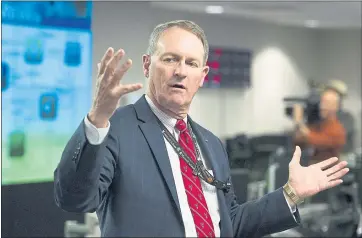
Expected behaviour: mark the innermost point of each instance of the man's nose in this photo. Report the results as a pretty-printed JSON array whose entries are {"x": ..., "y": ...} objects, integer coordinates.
[{"x": 181, "y": 70}]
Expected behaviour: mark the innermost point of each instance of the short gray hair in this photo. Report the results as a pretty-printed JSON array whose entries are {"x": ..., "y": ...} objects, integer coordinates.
[{"x": 183, "y": 24}]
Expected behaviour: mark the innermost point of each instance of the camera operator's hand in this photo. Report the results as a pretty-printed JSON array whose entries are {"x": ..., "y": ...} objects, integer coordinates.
[
  {"x": 304, "y": 130},
  {"x": 299, "y": 137},
  {"x": 298, "y": 113}
]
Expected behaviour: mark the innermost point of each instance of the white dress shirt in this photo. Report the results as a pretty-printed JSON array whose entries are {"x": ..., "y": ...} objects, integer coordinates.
[{"x": 96, "y": 136}]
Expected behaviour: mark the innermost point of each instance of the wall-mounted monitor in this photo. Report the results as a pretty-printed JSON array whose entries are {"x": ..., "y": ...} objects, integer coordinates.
[
  {"x": 229, "y": 68},
  {"x": 46, "y": 84}
]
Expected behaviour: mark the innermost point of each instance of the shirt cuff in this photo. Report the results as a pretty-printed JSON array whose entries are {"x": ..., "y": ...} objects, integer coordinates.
[
  {"x": 95, "y": 136},
  {"x": 292, "y": 208}
]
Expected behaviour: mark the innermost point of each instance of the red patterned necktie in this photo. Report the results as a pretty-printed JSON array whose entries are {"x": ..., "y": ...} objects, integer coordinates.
[{"x": 192, "y": 183}]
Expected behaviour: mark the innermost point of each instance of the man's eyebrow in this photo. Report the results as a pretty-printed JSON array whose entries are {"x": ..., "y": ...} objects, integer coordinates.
[
  {"x": 193, "y": 59},
  {"x": 170, "y": 54},
  {"x": 178, "y": 56}
]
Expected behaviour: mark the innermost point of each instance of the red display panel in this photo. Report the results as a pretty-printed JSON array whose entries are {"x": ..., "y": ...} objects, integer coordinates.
[{"x": 229, "y": 68}]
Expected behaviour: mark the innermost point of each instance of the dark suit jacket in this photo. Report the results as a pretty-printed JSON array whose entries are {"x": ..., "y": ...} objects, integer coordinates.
[{"x": 128, "y": 180}]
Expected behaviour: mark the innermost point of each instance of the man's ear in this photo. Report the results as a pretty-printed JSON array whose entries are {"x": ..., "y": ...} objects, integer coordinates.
[
  {"x": 205, "y": 71},
  {"x": 146, "y": 59}
]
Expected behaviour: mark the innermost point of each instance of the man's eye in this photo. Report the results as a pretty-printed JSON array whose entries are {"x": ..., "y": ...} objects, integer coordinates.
[
  {"x": 169, "y": 60},
  {"x": 192, "y": 64}
]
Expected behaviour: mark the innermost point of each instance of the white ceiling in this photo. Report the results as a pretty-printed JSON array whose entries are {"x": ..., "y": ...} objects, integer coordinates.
[{"x": 329, "y": 14}]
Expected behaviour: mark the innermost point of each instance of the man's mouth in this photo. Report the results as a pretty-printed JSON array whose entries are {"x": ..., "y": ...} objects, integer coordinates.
[{"x": 178, "y": 85}]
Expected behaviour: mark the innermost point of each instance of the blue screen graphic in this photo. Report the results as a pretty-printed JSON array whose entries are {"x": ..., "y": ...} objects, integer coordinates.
[{"x": 46, "y": 84}]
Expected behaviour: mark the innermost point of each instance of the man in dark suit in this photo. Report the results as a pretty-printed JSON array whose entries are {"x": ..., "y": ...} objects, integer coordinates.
[{"x": 149, "y": 170}]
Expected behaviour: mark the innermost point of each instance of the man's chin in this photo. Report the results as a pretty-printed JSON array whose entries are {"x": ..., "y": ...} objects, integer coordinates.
[{"x": 175, "y": 101}]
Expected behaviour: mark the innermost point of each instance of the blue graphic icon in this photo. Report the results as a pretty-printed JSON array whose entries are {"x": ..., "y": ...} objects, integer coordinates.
[
  {"x": 4, "y": 76},
  {"x": 72, "y": 54},
  {"x": 16, "y": 144},
  {"x": 48, "y": 106},
  {"x": 34, "y": 52}
]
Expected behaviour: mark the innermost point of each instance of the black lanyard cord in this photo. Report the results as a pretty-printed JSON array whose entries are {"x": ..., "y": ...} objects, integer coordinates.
[{"x": 198, "y": 168}]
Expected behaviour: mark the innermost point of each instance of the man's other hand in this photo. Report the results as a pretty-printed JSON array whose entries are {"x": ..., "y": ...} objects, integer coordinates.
[{"x": 308, "y": 181}]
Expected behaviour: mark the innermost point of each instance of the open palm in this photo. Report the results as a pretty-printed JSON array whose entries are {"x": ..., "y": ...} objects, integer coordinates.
[{"x": 308, "y": 181}]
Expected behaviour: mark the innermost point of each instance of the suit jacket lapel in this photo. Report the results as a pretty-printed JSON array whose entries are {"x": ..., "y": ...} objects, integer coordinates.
[
  {"x": 206, "y": 149},
  {"x": 152, "y": 132}
]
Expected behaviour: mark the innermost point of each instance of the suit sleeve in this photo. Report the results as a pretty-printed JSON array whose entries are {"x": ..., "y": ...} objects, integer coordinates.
[
  {"x": 85, "y": 172},
  {"x": 267, "y": 215}
]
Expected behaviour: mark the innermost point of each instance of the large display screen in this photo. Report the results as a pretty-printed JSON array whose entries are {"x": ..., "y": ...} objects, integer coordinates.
[
  {"x": 46, "y": 84},
  {"x": 229, "y": 68}
]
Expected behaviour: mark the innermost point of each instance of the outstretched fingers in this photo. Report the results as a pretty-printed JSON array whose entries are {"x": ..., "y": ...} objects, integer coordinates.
[
  {"x": 121, "y": 71},
  {"x": 112, "y": 64},
  {"x": 335, "y": 168},
  {"x": 338, "y": 175},
  {"x": 333, "y": 183},
  {"x": 128, "y": 88},
  {"x": 106, "y": 58},
  {"x": 327, "y": 163}
]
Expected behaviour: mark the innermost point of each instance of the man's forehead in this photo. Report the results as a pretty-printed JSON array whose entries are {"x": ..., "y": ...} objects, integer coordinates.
[
  {"x": 180, "y": 41},
  {"x": 178, "y": 33}
]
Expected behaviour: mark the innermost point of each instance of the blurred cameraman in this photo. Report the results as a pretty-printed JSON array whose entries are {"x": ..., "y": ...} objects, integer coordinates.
[{"x": 325, "y": 138}]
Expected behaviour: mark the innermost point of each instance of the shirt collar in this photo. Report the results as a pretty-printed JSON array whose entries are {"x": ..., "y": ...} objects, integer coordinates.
[{"x": 164, "y": 118}]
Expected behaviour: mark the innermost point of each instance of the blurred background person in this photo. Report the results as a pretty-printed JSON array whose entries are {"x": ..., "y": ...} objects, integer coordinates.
[{"x": 326, "y": 137}]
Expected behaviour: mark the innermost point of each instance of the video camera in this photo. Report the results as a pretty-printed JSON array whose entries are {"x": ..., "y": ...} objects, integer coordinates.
[{"x": 310, "y": 103}]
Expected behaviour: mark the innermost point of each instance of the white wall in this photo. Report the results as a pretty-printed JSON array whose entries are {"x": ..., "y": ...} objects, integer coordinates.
[
  {"x": 340, "y": 57},
  {"x": 283, "y": 59}
]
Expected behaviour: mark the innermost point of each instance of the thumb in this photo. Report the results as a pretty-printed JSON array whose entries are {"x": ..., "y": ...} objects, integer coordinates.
[{"x": 296, "y": 156}]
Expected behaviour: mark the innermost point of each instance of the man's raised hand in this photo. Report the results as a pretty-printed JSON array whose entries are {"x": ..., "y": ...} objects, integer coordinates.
[{"x": 108, "y": 87}]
